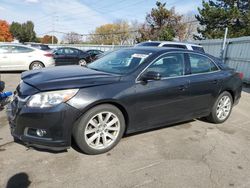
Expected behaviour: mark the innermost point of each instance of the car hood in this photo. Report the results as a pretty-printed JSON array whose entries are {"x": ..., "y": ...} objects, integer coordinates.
[{"x": 67, "y": 77}]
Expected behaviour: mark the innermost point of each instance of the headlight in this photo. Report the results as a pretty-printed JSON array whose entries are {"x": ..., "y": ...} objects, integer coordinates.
[{"x": 52, "y": 98}]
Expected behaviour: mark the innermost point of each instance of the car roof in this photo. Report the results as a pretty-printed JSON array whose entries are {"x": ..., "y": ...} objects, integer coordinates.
[
  {"x": 65, "y": 47},
  {"x": 150, "y": 49},
  {"x": 17, "y": 44},
  {"x": 93, "y": 50},
  {"x": 171, "y": 42}
]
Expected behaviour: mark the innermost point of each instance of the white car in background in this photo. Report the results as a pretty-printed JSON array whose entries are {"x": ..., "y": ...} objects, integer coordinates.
[
  {"x": 17, "y": 57},
  {"x": 170, "y": 44}
]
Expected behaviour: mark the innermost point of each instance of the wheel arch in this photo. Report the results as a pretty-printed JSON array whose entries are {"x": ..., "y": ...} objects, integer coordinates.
[
  {"x": 115, "y": 103},
  {"x": 232, "y": 93}
]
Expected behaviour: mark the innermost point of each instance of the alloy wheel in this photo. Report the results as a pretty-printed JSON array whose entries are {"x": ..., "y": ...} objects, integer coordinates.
[
  {"x": 223, "y": 108},
  {"x": 36, "y": 66},
  {"x": 102, "y": 130}
]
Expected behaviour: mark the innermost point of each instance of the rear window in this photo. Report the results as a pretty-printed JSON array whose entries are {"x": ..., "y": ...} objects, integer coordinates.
[
  {"x": 45, "y": 47},
  {"x": 149, "y": 44},
  {"x": 198, "y": 49},
  {"x": 175, "y": 46},
  {"x": 34, "y": 45},
  {"x": 20, "y": 49}
]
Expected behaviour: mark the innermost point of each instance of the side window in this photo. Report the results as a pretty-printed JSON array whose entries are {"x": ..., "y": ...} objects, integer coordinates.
[
  {"x": 171, "y": 65},
  {"x": 198, "y": 49},
  {"x": 4, "y": 50},
  {"x": 59, "y": 51},
  {"x": 90, "y": 52},
  {"x": 44, "y": 47},
  {"x": 69, "y": 51},
  {"x": 20, "y": 49},
  {"x": 201, "y": 64},
  {"x": 96, "y": 52},
  {"x": 175, "y": 46}
]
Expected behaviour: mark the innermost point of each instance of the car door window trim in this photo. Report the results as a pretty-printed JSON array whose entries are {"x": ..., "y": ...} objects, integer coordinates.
[
  {"x": 188, "y": 75},
  {"x": 211, "y": 60}
]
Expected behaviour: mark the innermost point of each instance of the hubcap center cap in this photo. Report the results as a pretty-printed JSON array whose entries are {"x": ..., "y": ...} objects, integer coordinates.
[{"x": 101, "y": 128}]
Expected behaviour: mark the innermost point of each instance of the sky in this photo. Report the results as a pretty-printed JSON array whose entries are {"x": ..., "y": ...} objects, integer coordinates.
[{"x": 83, "y": 16}]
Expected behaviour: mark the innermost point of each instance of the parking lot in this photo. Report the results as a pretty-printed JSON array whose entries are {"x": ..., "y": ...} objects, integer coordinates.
[{"x": 191, "y": 154}]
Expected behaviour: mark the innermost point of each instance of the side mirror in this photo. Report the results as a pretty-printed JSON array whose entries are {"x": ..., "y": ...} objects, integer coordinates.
[
  {"x": 2, "y": 86},
  {"x": 55, "y": 53},
  {"x": 151, "y": 75}
]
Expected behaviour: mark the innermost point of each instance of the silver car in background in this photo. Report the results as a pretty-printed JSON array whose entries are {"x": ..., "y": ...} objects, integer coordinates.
[
  {"x": 17, "y": 57},
  {"x": 171, "y": 44}
]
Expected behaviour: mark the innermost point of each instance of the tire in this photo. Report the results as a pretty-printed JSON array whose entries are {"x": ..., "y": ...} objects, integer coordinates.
[
  {"x": 82, "y": 62},
  {"x": 220, "y": 114},
  {"x": 94, "y": 136},
  {"x": 36, "y": 65}
]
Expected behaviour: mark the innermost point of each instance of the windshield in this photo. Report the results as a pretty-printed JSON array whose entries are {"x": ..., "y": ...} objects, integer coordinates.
[{"x": 120, "y": 62}]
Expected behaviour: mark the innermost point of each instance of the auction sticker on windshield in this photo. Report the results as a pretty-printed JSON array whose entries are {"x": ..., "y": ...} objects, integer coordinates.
[{"x": 142, "y": 56}]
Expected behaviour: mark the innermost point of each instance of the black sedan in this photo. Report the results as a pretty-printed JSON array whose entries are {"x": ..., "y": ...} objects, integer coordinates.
[
  {"x": 94, "y": 53},
  {"x": 126, "y": 91},
  {"x": 71, "y": 56}
]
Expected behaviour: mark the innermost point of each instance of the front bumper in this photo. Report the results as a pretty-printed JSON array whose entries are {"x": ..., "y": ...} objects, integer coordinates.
[{"x": 57, "y": 121}]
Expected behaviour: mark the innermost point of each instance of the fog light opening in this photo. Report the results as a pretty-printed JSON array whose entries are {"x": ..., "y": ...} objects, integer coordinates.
[{"x": 41, "y": 132}]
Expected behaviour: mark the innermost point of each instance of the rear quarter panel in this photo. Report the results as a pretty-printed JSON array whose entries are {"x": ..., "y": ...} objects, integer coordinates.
[{"x": 232, "y": 83}]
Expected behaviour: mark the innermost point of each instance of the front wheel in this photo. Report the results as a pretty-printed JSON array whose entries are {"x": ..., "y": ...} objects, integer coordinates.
[
  {"x": 36, "y": 65},
  {"x": 222, "y": 108},
  {"x": 100, "y": 129}
]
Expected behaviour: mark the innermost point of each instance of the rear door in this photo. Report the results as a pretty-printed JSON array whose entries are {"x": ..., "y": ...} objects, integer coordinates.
[{"x": 205, "y": 83}]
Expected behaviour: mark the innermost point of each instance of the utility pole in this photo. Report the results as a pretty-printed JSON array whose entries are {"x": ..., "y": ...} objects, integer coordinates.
[
  {"x": 224, "y": 45},
  {"x": 53, "y": 28}
]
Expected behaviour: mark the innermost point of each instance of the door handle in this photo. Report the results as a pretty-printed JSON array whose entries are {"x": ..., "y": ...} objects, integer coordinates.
[
  {"x": 183, "y": 87},
  {"x": 214, "y": 82},
  {"x": 4, "y": 56}
]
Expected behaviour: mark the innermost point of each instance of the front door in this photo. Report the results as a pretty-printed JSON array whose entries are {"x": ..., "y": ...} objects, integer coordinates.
[
  {"x": 165, "y": 100},
  {"x": 59, "y": 56}
]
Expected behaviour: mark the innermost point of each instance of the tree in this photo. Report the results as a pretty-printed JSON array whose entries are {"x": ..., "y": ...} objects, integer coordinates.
[
  {"x": 162, "y": 24},
  {"x": 72, "y": 38},
  {"x": 123, "y": 29},
  {"x": 191, "y": 26},
  {"x": 23, "y": 32},
  {"x": 134, "y": 34},
  {"x": 15, "y": 29},
  {"x": 47, "y": 39},
  {"x": 215, "y": 16},
  {"x": 5, "y": 35},
  {"x": 114, "y": 33}
]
